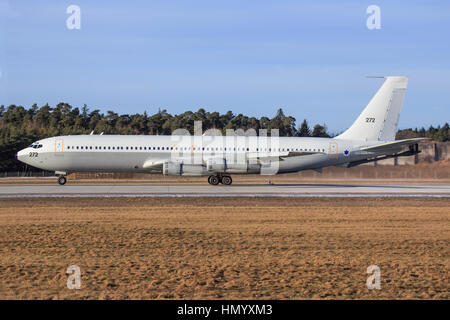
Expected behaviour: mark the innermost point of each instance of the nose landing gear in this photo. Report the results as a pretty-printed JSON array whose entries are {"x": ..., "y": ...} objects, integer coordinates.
[
  {"x": 215, "y": 180},
  {"x": 62, "y": 180}
]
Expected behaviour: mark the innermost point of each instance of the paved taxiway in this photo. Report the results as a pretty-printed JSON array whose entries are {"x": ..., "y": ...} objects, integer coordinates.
[{"x": 256, "y": 190}]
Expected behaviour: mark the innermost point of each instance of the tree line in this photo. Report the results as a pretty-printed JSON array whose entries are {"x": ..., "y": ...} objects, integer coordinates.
[{"x": 20, "y": 126}]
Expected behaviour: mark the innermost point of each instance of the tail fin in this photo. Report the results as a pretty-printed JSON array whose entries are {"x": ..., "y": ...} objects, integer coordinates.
[{"x": 379, "y": 119}]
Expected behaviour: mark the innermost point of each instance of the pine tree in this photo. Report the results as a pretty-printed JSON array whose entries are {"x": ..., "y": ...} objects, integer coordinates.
[{"x": 304, "y": 130}]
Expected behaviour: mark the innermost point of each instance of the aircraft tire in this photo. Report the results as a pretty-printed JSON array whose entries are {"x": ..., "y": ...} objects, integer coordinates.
[
  {"x": 213, "y": 180},
  {"x": 62, "y": 180},
  {"x": 226, "y": 180}
]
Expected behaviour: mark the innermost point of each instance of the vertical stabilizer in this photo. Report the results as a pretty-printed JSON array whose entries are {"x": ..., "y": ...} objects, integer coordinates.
[{"x": 378, "y": 121}]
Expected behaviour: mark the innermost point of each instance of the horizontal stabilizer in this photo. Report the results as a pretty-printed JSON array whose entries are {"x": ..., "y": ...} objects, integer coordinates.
[{"x": 393, "y": 144}]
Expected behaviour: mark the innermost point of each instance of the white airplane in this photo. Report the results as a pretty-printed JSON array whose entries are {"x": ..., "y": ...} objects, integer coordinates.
[{"x": 371, "y": 137}]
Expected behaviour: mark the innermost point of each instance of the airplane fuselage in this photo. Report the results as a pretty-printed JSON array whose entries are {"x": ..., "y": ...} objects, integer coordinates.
[{"x": 125, "y": 153}]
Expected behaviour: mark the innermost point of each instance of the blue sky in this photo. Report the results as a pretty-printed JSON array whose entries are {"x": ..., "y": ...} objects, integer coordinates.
[{"x": 308, "y": 57}]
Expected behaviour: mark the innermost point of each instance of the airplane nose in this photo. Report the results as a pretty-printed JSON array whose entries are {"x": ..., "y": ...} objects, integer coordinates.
[{"x": 21, "y": 155}]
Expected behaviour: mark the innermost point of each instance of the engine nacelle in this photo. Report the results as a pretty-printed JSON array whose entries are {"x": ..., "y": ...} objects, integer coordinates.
[
  {"x": 171, "y": 169},
  {"x": 216, "y": 165},
  {"x": 193, "y": 170},
  {"x": 222, "y": 165},
  {"x": 180, "y": 169}
]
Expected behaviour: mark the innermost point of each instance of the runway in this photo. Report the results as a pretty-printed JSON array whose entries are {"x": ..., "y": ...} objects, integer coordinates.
[{"x": 250, "y": 190}]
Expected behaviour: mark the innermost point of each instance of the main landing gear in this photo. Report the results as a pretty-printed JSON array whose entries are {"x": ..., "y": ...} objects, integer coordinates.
[
  {"x": 62, "y": 180},
  {"x": 215, "y": 180}
]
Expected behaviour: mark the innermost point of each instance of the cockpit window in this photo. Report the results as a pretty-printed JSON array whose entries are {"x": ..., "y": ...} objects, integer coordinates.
[{"x": 35, "y": 145}]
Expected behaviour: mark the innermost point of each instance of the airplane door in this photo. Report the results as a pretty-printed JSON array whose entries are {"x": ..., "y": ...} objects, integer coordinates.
[
  {"x": 333, "y": 152},
  {"x": 59, "y": 147}
]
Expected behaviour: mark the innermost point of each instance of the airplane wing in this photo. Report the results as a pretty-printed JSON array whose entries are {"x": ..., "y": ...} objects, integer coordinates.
[
  {"x": 393, "y": 144},
  {"x": 263, "y": 156}
]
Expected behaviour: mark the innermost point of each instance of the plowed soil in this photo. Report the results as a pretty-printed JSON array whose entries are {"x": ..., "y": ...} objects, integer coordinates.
[{"x": 224, "y": 248}]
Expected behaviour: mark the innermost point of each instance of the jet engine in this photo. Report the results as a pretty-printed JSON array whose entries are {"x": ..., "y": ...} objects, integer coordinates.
[
  {"x": 180, "y": 169},
  {"x": 216, "y": 165},
  {"x": 230, "y": 166}
]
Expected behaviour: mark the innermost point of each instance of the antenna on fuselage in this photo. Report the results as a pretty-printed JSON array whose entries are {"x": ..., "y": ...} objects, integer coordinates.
[
  {"x": 92, "y": 132},
  {"x": 101, "y": 133}
]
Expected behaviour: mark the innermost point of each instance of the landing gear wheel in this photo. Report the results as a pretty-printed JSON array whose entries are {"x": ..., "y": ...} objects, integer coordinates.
[
  {"x": 226, "y": 180},
  {"x": 62, "y": 180},
  {"x": 213, "y": 180}
]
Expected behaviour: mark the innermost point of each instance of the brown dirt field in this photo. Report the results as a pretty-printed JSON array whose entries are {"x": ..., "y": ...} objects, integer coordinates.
[{"x": 224, "y": 248}]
